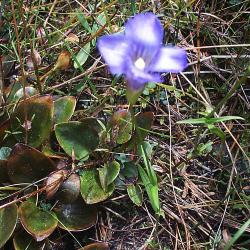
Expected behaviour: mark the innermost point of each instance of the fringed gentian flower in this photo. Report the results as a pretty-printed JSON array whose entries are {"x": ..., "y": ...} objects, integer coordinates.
[{"x": 138, "y": 53}]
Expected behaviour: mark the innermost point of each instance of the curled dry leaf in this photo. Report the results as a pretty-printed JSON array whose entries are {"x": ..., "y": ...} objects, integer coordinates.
[
  {"x": 73, "y": 38},
  {"x": 30, "y": 59},
  {"x": 54, "y": 181},
  {"x": 63, "y": 60}
]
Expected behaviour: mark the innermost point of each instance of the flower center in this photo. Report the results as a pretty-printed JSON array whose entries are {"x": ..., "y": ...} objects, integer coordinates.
[{"x": 140, "y": 63}]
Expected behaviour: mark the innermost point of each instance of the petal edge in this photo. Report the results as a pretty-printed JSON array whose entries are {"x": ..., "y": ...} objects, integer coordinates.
[
  {"x": 145, "y": 28},
  {"x": 169, "y": 59},
  {"x": 113, "y": 49}
]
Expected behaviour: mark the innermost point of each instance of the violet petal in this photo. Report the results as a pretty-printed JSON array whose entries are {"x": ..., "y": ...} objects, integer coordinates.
[
  {"x": 138, "y": 78},
  {"x": 145, "y": 28},
  {"x": 114, "y": 50},
  {"x": 169, "y": 59}
]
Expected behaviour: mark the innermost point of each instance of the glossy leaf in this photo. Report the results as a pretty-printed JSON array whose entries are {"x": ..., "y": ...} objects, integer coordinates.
[
  {"x": 96, "y": 246},
  {"x": 82, "y": 56},
  {"x": 122, "y": 126},
  {"x": 78, "y": 137},
  {"x": 129, "y": 171},
  {"x": 26, "y": 164},
  {"x": 8, "y": 220},
  {"x": 135, "y": 194},
  {"x": 11, "y": 91},
  {"x": 76, "y": 216},
  {"x": 35, "y": 114},
  {"x": 40, "y": 224},
  {"x": 64, "y": 108},
  {"x": 91, "y": 189},
  {"x": 23, "y": 241},
  {"x": 144, "y": 123},
  {"x": 69, "y": 190},
  {"x": 108, "y": 173}
]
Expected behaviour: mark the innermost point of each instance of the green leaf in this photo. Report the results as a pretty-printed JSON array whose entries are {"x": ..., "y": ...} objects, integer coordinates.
[
  {"x": 135, "y": 194},
  {"x": 76, "y": 216},
  {"x": 222, "y": 119},
  {"x": 108, "y": 174},
  {"x": 84, "y": 22},
  {"x": 8, "y": 220},
  {"x": 26, "y": 164},
  {"x": 129, "y": 171},
  {"x": 36, "y": 114},
  {"x": 237, "y": 235},
  {"x": 122, "y": 126},
  {"x": 143, "y": 123},
  {"x": 40, "y": 224},
  {"x": 69, "y": 190},
  {"x": 167, "y": 87},
  {"x": 193, "y": 121},
  {"x": 211, "y": 120},
  {"x": 150, "y": 171},
  {"x": 148, "y": 149},
  {"x": 100, "y": 21},
  {"x": 64, "y": 108},
  {"x": 152, "y": 190},
  {"x": 82, "y": 56},
  {"x": 91, "y": 189},
  {"x": 217, "y": 131},
  {"x": 79, "y": 137},
  {"x": 205, "y": 148},
  {"x": 23, "y": 241}
]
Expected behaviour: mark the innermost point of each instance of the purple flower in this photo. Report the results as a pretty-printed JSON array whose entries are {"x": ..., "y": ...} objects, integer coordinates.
[{"x": 138, "y": 53}]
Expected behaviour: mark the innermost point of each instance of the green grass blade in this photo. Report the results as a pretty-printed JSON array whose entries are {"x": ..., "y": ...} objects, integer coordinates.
[{"x": 237, "y": 235}]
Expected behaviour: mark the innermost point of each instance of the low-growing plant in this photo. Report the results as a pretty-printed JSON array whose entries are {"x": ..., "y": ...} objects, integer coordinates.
[{"x": 62, "y": 168}]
